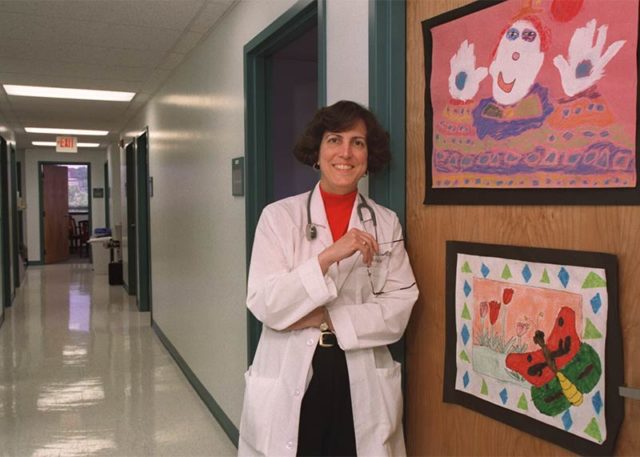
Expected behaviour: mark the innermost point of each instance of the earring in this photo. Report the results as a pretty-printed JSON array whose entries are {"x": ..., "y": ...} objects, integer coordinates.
[{"x": 316, "y": 166}]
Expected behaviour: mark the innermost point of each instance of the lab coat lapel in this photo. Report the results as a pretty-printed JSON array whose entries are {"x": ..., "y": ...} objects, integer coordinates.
[
  {"x": 319, "y": 219},
  {"x": 346, "y": 266}
]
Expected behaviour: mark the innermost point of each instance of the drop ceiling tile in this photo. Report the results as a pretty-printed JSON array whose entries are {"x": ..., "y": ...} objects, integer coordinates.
[
  {"x": 147, "y": 13},
  {"x": 38, "y": 67},
  {"x": 186, "y": 43},
  {"x": 41, "y": 32},
  {"x": 171, "y": 61},
  {"x": 210, "y": 14},
  {"x": 80, "y": 53}
]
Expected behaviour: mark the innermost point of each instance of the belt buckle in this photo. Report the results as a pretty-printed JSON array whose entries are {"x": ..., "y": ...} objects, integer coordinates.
[{"x": 321, "y": 342}]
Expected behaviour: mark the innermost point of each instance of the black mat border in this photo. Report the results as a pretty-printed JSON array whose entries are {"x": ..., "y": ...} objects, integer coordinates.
[
  {"x": 614, "y": 360},
  {"x": 481, "y": 196}
]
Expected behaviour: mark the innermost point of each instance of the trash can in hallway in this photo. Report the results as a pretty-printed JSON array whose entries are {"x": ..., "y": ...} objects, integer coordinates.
[{"x": 100, "y": 254}]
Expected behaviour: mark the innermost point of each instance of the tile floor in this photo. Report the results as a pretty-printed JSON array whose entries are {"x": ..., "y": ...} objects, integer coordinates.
[{"x": 83, "y": 374}]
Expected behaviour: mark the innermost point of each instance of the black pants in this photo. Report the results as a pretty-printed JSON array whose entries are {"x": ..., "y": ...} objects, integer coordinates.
[{"x": 326, "y": 418}]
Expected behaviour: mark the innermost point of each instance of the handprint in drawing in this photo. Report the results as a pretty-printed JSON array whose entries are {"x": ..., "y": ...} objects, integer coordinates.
[
  {"x": 465, "y": 78},
  {"x": 586, "y": 60}
]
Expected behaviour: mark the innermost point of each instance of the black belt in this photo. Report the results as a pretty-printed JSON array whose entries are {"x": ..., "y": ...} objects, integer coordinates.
[{"x": 327, "y": 340}]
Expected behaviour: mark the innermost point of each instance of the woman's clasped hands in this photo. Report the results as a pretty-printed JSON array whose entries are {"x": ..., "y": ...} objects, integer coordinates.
[{"x": 353, "y": 241}]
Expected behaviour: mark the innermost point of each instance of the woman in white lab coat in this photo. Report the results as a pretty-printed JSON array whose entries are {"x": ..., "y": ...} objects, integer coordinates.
[{"x": 331, "y": 283}]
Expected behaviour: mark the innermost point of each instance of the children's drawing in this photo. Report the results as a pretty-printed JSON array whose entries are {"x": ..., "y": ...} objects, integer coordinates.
[
  {"x": 532, "y": 94},
  {"x": 528, "y": 333}
]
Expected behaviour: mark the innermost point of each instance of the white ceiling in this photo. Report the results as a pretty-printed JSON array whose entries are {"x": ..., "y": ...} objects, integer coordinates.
[{"x": 126, "y": 45}]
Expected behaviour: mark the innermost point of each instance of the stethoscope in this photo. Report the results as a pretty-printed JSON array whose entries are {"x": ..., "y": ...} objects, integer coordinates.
[{"x": 311, "y": 231}]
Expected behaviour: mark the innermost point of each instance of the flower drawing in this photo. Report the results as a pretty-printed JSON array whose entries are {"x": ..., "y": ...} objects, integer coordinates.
[
  {"x": 507, "y": 295},
  {"x": 494, "y": 311}
]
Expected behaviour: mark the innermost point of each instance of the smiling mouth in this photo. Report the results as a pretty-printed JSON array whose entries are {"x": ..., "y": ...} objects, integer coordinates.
[
  {"x": 340, "y": 166},
  {"x": 506, "y": 87}
]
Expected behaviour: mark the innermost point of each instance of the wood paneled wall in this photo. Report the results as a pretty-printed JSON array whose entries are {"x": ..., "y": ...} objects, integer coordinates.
[{"x": 436, "y": 428}]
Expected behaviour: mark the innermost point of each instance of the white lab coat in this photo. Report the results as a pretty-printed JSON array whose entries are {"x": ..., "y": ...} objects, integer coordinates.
[{"x": 286, "y": 283}]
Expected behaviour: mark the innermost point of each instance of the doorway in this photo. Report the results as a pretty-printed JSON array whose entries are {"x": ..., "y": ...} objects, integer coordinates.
[
  {"x": 142, "y": 216},
  {"x": 284, "y": 85},
  {"x": 137, "y": 261},
  {"x": 5, "y": 272},
  {"x": 129, "y": 245},
  {"x": 65, "y": 212}
]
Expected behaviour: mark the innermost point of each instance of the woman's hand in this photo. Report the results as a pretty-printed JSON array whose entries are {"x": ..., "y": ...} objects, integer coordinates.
[{"x": 352, "y": 241}]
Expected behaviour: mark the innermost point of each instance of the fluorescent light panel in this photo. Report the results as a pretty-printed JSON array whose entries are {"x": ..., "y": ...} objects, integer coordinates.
[
  {"x": 66, "y": 131},
  {"x": 75, "y": 94},
  {"x": 53, "y": 143}
]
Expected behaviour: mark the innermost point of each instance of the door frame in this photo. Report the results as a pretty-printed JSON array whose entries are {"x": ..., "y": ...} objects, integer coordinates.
[
  {"x": 289, "y": 26},
  {"x": 14, "y": 216},
  {"x": 41, "y": 199},
  {"x": 143, "y": 223},
  {"x": 130, "y": 283},
  {"x": 5, "y": 251},
  {"x": 387, "y": 99},
  {"x": 107, "y": 192}
]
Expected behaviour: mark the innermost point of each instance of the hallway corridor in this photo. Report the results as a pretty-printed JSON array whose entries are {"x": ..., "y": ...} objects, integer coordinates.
[{"x": 83, "y": 374}]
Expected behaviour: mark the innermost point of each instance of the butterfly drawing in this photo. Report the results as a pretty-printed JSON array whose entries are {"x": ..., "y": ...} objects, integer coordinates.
[{"x": 562, "y": 370}]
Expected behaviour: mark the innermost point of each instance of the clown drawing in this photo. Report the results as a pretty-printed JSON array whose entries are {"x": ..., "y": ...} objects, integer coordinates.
[{"x": 523, "y": 135}]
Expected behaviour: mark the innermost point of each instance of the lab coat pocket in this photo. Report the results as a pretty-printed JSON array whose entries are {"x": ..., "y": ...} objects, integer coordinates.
[
  {"x": 390, "y": 382},
  {"x": 255, "y": 422}
]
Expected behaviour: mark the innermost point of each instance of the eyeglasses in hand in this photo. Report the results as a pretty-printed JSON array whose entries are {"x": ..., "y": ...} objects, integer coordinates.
[{"x": 380, "y": 264}]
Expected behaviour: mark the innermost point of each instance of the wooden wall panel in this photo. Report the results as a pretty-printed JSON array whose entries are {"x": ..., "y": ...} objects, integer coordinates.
[{"x": 436, "y": 428}]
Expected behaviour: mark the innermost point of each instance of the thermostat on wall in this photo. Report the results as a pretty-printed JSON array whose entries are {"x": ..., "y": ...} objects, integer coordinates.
[{"x": 237, "y": 176}]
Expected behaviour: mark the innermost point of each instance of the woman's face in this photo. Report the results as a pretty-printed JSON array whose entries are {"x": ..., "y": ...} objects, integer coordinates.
[{"x": 343, "y": 159}]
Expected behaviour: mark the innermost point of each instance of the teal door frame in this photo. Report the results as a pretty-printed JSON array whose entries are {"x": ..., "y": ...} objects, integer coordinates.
[
  {"x": 131, "y": 281},
  {"x": 387, "y": 99},
  {"x": 303, "y": 15},
  {"x": 5, "y": 238},
  {"x": 41, "y": 201},
  {"x": 143, "y": 221},
  {"x": 107, "y": 195},
  {"x": 14, "y": 217}
]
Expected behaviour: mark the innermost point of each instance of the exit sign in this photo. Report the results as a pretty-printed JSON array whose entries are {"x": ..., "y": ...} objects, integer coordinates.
[{"x": 66, "y": 144}]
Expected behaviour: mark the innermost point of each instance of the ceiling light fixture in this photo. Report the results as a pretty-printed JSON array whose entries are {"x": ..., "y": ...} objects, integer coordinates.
[
  {"x": 75, "y": 94},
  {"x": 66, "y": 131},
  {"x": 53, "y": 143}
]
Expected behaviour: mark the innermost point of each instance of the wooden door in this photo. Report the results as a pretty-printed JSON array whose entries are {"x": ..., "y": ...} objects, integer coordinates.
[
  {"x": 55, "y": 198},
  {"x": 437, "y": 428}
]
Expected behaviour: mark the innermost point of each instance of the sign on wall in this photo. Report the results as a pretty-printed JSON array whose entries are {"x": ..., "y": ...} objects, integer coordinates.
[{"x": 66, "y": 144}]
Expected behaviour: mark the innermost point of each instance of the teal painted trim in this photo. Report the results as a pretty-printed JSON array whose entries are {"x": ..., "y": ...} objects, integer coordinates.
[
  {"x": 132, "y": 248},
  {"x": 289, "y": 26},
  {"x": 284, "y": 29},
  {"x": 5, "y": 237},
  {"x": 34, "y": 263},
  {"x": 142, "y": 221},
  {"x": 107, "y": 192},
  {"x": 387, "y": 94},
  {"x": 41, "y": 199},
  {"x": 387, "y": 99},
  {"x": 213, "y": 406},
  {"x": 14, "y": 218},
  {"x": 322, "y": 53}
]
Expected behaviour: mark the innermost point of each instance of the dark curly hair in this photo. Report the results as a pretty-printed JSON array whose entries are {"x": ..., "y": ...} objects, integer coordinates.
[{"x": 339, "y": 117}]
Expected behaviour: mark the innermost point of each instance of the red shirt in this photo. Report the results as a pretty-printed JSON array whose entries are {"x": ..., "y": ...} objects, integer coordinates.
[{"x": 338, "y": 209}]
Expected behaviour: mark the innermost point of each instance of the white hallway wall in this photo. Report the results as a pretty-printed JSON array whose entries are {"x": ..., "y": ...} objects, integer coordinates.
[
  {"x": 196, "y": 126},
  {"x": 115, "y": 208},
  {"x": 31, "y": 159}
]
